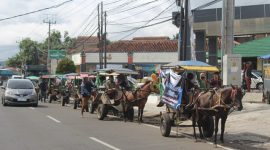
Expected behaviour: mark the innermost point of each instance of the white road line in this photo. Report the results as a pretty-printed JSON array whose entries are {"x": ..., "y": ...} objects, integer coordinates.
[
  {"x": 50, "y": 117},
  {"x": 191, "y": 137},
  {"x": 103, "y": 143},
  {"x": 31, "y": 108}
]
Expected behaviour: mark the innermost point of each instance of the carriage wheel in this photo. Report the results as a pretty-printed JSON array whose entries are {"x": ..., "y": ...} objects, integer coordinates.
[
  {"x": 91, "y": 108},
  {"x": 102, "y": 111},
  {"x": 130, "y": 114},
  {"x": 165, "y": 124},
  {"x": 75, "y": 104},
  {"x": 268, "y": 97},
  {"x": 208, "y": 127}
]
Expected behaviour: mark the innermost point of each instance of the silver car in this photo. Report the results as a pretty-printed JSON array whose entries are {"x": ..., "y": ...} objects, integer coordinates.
[{"x": 19, "y": 91}]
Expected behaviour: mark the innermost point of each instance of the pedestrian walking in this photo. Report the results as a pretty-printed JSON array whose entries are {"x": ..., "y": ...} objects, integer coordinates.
[
  {"x": 248, "y": 75},
  {"x": 43, "y": 90},
  {"x": 86, "y": 89}
]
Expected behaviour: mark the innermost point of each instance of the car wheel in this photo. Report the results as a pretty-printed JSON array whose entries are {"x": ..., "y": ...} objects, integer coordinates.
[
  {"x": 3, "y": 102},
  {"x": 35, "y": 105}
]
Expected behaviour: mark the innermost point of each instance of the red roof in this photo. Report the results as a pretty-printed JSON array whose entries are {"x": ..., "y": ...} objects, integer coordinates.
[
  {"x": 144, "y": 46},
  {"x": 137, "y": 44},
  {"x": 86, "y": 43}
]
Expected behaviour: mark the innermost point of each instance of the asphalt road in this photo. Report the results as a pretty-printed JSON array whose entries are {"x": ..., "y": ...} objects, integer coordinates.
[{"x": 51, "y": 126}]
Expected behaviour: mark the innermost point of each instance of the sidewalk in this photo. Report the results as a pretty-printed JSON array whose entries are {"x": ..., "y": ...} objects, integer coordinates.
[
  {"x": 153, "y": 100},
  {"x": 249, "y": 128}
]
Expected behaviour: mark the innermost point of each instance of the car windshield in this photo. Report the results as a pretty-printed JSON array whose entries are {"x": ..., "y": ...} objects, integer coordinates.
[{"x": 20, "y": 84}]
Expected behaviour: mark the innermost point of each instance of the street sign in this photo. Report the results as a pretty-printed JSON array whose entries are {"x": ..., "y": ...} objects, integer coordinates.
[{"x": 57, "y": 54}]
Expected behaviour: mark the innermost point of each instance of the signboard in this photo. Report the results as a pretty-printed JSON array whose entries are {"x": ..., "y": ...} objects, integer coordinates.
[
  {"x": 57, "y": 54},
  {"x": 35, "y": 67}
]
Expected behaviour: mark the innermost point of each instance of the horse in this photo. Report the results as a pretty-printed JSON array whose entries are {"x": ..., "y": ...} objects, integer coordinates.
[
  {"x": 216, "y": 103},
  {"x": 139, "y": 98}
]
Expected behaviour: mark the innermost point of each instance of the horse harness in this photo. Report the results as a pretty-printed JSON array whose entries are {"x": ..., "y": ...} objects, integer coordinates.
[{"x": 220, "y": 102}]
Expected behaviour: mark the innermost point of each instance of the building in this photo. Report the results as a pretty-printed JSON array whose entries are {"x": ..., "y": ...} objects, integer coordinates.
[{"x": 144, "y": 54}]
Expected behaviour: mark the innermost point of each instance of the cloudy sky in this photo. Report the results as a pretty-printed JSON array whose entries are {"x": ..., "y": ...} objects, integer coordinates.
[{"x": 79, "y": 19}]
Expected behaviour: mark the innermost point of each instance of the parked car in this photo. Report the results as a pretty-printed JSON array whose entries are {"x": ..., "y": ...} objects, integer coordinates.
[
  {"x": 19, "y": 91},
  {"x": 256, "y": 80},
  {"x": 16, "y": 77}
]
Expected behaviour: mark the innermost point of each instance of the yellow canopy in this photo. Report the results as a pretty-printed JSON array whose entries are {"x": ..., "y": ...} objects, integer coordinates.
[{"x": 200, "y": 68}]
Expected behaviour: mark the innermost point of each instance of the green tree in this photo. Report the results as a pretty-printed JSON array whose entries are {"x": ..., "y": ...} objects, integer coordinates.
[
  {"x": 34, "y": 53},
  {"x": 14, "y": 61},
  {"x": 65, "y": 66}
]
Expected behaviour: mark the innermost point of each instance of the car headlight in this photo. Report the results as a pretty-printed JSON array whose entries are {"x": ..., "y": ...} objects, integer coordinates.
[
  {"x": 33, "y": 92},
  {"x": 9, "y": 93}
]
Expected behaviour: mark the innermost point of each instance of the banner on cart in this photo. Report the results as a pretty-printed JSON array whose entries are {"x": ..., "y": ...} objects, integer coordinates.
[{"x": 172, "y": 96}]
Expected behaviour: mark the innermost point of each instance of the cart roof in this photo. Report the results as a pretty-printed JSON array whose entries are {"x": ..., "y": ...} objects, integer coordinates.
[
  {"x": 192, "y": 66},
  {"x": 265, "y": 56},
  {"x": 116, "y": 71}
]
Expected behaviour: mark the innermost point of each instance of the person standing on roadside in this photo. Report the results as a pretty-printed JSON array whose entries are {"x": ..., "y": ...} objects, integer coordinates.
[
  {"x": 43, "y": 90},
  {"x": 86, "y": 89},
  {"x": 248, "y": 75}
]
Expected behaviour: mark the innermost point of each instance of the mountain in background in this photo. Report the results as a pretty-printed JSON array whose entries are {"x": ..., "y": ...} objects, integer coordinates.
[{"x": 7, "y": 51}]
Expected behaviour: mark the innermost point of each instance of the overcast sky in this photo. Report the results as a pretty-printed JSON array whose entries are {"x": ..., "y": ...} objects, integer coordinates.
[{"x": 71, "y": 17}]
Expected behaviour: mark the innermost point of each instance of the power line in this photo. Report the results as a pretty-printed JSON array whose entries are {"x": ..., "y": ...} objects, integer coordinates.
[
  {"x": 150, "y": 20},
  {"x": 142, "y": 11},
  {"x": 138, "y": 6},
  {"x": 115, "y": 23},
  {"x": 145, "y": 26},
  {"x": 74, "y": 11},
  {"x": 112, "y": 2},
  {"x": 206, "y": 5},
  {"x": 121, "y": 6},
  {"x": 85, "y": 21},
  {"x": 20, "y": 15},
  {"x": 87, "y": 38}
]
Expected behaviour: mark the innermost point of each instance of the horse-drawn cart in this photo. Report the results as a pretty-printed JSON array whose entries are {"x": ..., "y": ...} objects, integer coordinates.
[
  {"x": 109, "y": 94},
  {"x": 175, "y": 78}
]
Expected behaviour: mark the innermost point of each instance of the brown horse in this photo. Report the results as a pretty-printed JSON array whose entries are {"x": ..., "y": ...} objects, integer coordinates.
[
  {"x": 139, "y": 97},
  {"x": 216, "y": 103}
]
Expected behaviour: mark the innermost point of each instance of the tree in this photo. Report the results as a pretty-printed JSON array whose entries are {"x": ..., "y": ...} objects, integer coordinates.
[
  {"x": 14, "y": 61},
  {"x": 34, "y": 53},
  {"x": 65, "y": 66}
]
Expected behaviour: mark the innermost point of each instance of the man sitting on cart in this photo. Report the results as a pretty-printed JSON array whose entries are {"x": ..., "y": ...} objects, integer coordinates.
[
  {"x": 110, "y": 84},
  {"x": 122, "y": 82},
  {"x": 189, "y": 87}
]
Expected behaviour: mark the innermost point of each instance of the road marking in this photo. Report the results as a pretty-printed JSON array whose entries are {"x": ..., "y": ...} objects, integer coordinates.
[
  {"x": 31, "y": 108},
  {"x": 151, "y": 126},
  {"x": 50, "y": 117},
  {"x": 191, "y": 137},
  {"x": 104, "y": 143}
]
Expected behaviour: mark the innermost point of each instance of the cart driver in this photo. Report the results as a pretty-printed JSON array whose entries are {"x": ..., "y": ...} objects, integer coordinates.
[
  {"x": 122, "y": 82},
  {"x": 190, "y": 85},
  {"x": 110, "y": 84}
]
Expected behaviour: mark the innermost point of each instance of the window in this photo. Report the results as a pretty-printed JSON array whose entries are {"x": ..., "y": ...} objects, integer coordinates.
[{"x": 20, "y": 84}]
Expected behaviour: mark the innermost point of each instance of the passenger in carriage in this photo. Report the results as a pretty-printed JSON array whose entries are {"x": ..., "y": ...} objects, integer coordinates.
[
  {"x": 216, "y": 82},
  {"x": 204, "y": 84},
  {"x": 122, "y": 82}
]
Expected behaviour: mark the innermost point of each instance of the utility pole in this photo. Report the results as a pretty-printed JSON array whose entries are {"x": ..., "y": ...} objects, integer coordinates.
[
  {"x": 105, "y": 41},
  {"x": 227, "y": 26},
  {"x": 99, "y": 39},
  {"x": 181, "y": 34},
  {"x": 49, "y": 20},
  {"x": 102, "y": 37}
]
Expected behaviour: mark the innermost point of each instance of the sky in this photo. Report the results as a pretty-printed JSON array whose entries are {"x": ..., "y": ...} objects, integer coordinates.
[{"x": 74, "y": 18}]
